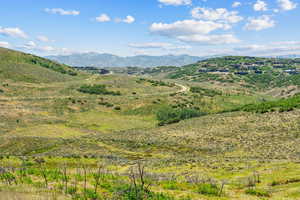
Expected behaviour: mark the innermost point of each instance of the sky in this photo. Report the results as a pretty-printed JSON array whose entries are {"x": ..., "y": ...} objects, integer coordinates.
[{"x": 151, "y": 27}]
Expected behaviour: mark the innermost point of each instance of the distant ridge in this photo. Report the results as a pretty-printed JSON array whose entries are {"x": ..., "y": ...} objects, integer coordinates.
[{"x": 109, "y": 60}]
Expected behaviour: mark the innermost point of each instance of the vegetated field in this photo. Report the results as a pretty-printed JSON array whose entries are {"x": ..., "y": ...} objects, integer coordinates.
[{"x": 58, "y": 142}]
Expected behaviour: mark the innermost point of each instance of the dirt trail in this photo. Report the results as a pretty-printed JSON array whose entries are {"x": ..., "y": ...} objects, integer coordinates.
[{"x": 183, "y": 88}]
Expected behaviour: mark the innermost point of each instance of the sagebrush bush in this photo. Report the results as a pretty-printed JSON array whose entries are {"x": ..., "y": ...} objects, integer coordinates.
[
  {"x": 208, "y": 189},
  {"x": 97, "y": 89},
  {"x": 258, "y": 192}
]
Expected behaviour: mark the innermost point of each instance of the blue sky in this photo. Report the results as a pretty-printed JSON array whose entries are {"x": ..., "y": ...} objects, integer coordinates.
[{"x": 153, "y": 27}]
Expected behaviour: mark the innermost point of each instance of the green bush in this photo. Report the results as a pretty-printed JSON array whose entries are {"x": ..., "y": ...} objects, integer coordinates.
[
  {"x": 127, "y": 192},
  {"x": 205, "y": 92},
  {"x": 208, "y": 189},
  {"x": 97, "y": 89},
  {"x": 257, "y": 192},
  {"x": 282, "y": 105},
  {"x": 169, "y": 115}
]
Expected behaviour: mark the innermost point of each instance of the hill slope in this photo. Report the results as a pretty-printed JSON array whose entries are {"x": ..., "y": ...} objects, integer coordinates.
[
  {"x": 17, "y": 66},
  {"x": 250, "y": 72},
  {"x": 108, "y": 60}
]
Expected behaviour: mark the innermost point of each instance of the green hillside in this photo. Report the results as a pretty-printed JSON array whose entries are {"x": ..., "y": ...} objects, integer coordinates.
[
  {"x": 252, "y": 72},
  {"x": 143, "y": 137},
  {"x": 17, "y": 66}
]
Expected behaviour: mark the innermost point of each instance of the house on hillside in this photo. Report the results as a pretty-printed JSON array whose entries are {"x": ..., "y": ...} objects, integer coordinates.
[
  {"x": 291, "y": 71},
  {"x": 241, "y": 73},
  {"x": 279, "y": 66},
  {"x": 236, "y": 66},
  {"x": 104, "y": 71}
]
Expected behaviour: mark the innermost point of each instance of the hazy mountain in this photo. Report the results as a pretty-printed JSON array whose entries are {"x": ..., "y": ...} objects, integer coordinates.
[
  {"x": 289, "y": 56},
  {"x": 109, "y": 60}
]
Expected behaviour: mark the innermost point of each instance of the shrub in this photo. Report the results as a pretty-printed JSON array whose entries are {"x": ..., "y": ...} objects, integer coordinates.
[
  {"x": 282, "y": 105},
  {"x": 169, "y": 115},
  {"x": 97, "y": 89},
  {"x": 117, "y": 108},
  {"x": 90, "y": 194},
  {"x": 126, "y": 192},
  {"x": 208, "y": 189},
  {"x": 205, "y": 92},
  {"x": 257, "y": 192}
]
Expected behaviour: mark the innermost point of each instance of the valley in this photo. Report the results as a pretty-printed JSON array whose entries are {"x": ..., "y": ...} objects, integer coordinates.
[{"x": 201, "y": 131}]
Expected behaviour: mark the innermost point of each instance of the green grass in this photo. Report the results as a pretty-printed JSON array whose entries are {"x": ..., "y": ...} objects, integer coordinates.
[
  {"x": 48, "y": 118},
  {"x": 18, "y": 66}
]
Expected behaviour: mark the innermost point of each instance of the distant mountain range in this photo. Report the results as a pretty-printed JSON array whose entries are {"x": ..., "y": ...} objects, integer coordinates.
[
  {"x": 109, "y": 60},
  {"x": 289, "y": 56}
]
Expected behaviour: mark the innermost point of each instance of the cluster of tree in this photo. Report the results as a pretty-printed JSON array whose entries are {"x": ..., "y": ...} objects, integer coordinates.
[
  {"x": 170, "y": 115},
  {"x": 97, "y": 89},
  {"x": 282, "y": 105},
  {"x": 205, "y": 91}
]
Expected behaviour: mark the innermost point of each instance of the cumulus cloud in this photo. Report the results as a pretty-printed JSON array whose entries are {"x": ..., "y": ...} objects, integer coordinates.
[
  {"x": 61, "y": 11},
  {"x": 34, "y": 47},
  {"x": 103, "y": 18},
  {"x": 260, "y": 23},
  {"x": 176, "y": 2},
  {"x": 236, "y": 4},
  {"x": 43, "y": 38},
  {"x": 219, "y": 14},
  {"x": 4, "y": 44},
  {"x": 155, "y": 45},
  {"x": 129, "y": 19},
  {"x": 260, "y": 6},
  {"x": 186, "y": 27},
  {"x": 194, "y": 31},
  {"x": 13, "y": 32},
  {"x": 210, "y": 39},
  {"x": 286, "y": 5}
]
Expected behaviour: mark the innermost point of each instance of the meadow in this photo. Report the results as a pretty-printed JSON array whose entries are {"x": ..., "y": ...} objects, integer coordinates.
[{"x": 118, "y": 136}]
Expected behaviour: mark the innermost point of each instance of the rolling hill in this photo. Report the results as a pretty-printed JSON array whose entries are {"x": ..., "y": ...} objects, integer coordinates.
[
  {"x": 66, "y": 134},
  {"x": 17, "y": 66},
  {"x": 252, "y": 72}
]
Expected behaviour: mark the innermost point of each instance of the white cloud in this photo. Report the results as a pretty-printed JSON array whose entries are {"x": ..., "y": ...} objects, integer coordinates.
[
  {"x": 187, "y": 27},
  {"x": 61, "y": 11},
  {"x": 260, "y": 6},
  {"x": 103, "y": 18},
  {"x": 260, "y": 23},
  {"x": 34, "y": 47},
  {"x": 4, "y": 44},
  {"x": 129, "y": 19},
  {"x": 271, "y": 49},
  {"x": 219, "y": 14},
  {"x": 236, "y": 4},
  {"x": 210, "y": 39},
  {"x": 13, "y": 32},
  {"x": 154, "y": 45},
  {"x": 176, "y": 2},
  {"x": 286, "y": 5},
  {"x": 30, "y": 45},
  {"x": 43, "y": 38}
]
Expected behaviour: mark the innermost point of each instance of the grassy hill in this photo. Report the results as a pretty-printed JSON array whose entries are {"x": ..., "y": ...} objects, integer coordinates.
[
  {"x": 91, "y": 136},
  {"x": 252, "y": 72},
  {"x": 21, "y": 67}
]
